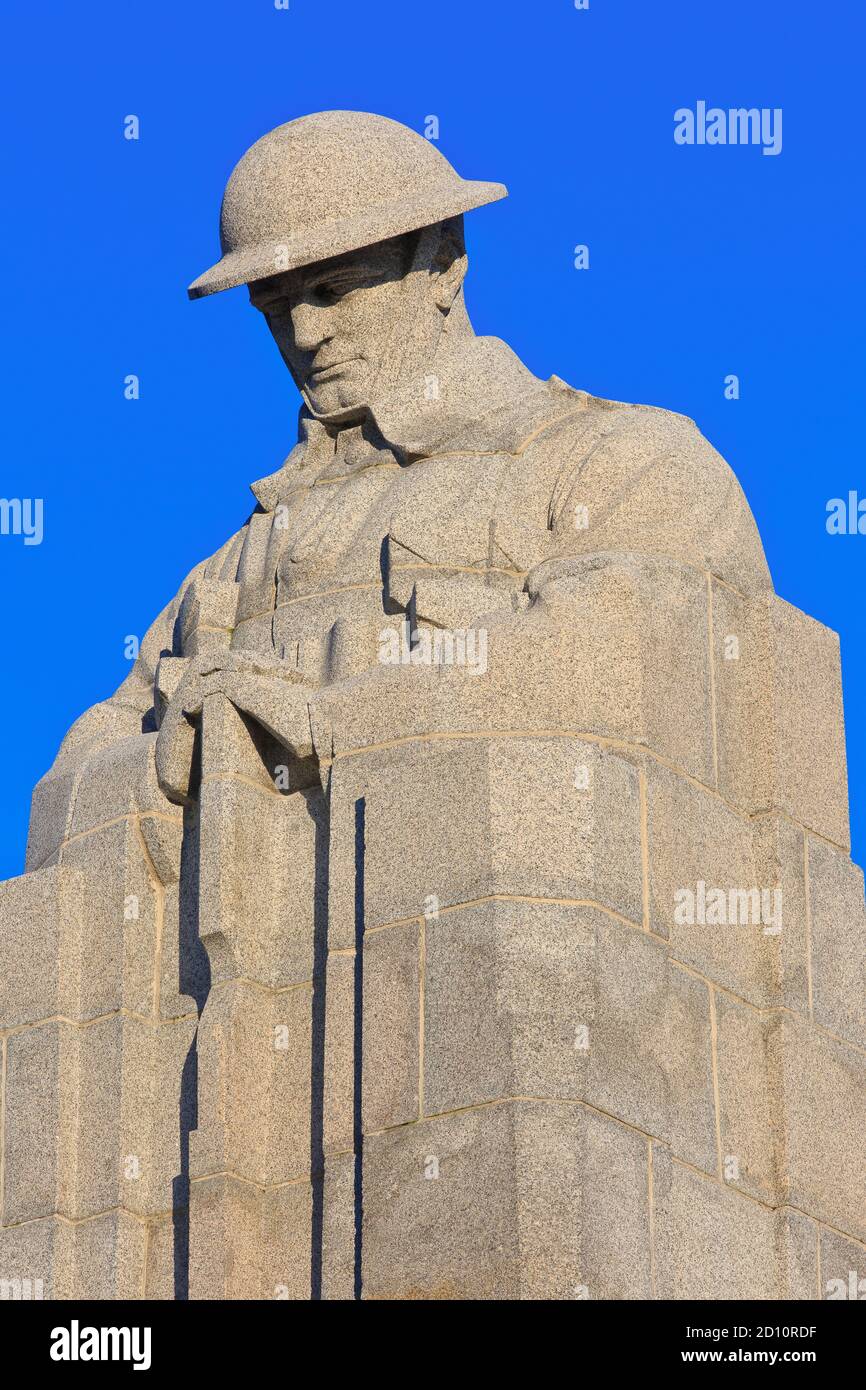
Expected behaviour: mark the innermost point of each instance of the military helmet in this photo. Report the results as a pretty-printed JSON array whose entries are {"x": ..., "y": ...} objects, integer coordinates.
[{"x": 327, "y": 184}]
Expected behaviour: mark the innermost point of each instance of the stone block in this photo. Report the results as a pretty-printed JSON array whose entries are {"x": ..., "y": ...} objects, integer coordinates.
[
  {"x": 779, "y": 729},
  {"x": 176, "y": 947},
  {"x": 509, "y": 991},
  {"x": 246, "y": 1243},
  {"x": 688, "y": 1067},
  {"x": 715, "y": 1244},
  {"x": 256, "y": 602},
  {"x": 606, "y": 646},
  {"x": 169, "y": 672},
  {"x": 751, "y": 1105},
  {"x": 156, "y": 1107},
  {"x": 278, "y": 1250},
  {"x": 210, "y": 1234},
  {"x": 235, "y": 745},
  {"x": 694, "y": 838},
  {"x": 811, "y": 778},
  {"x": 130, "y": 1266},
  {"x": 338, "y": 1229},
  {"x": 787, "y": 1095},
  {"x": 186, "y": 971},
  {"x": 391, "y": 1022},
  {"x": 719, "y": 887},
  {"x": 546, "y": 817},
  {"x": 163, "y": 839},
  {"x": 254, "y": 1070},
  {"x": 339, "y": 1063},
  {"x": 161, "y": 1281},
  {"x": 32, "y": 1138},
  {"x": 92, "y": 923},
  {"x": 102, "y": 1258},
  {"x": 824, "y": 1087},
  {"x": 540, "y": 999},
  {"x": 780, "y": 859},
  {"x": 270, "y": 1123},
  {"x": 108, "y": 959},
  {"x": 256, "y": 633},
  {"x": 27, "y": 1261},
  {"x": 331, "y": 636},
  {"x": 522, "y": 1200},
  {"x": 444, "y": 597},
  {"x": 89, "y": 1122},
  {"x": 63, "y": 1121},
  {"x": 837, "y": 924},
  {"x": 32, "y": 909}
]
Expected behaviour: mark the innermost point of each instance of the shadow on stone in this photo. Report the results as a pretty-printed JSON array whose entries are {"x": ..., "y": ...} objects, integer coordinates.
[
  {"x": 194, "y": 980},
  {"x": 358, "y": 1134},
  {"x": 319, "y": 811}
]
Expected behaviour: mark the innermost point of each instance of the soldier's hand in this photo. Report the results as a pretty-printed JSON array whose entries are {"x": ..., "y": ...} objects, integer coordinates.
[{"x": 269, "y": 690}]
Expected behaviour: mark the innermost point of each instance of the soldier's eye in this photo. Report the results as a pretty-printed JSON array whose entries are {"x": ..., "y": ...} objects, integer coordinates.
[{"x": 328, "y": 293}]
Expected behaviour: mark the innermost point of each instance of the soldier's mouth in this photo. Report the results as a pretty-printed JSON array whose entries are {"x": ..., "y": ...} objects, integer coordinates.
[{"x": 317, "y": 373}]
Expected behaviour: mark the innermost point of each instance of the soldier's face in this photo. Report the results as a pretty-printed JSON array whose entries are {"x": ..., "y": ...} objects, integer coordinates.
[{"x": 333, "y": 321}]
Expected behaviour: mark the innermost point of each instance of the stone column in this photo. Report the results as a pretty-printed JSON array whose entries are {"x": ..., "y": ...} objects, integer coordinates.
[{"x": 263, "y": 851}]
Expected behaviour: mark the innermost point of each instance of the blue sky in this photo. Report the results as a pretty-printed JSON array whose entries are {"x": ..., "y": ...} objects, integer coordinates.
[{"x": 704, "y": 261}]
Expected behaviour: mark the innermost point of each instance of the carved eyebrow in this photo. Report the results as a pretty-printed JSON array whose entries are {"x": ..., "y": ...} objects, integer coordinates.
[
  {"x": 266, "y": 302},
  {"x": 355, "y": 271}
]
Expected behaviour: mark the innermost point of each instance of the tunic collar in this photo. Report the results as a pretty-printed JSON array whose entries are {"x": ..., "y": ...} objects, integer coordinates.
[{"x": 476, "y": 397}]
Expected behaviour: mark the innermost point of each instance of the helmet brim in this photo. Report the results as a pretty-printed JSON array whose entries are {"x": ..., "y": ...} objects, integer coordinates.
[{"x": 422, "y": 208}]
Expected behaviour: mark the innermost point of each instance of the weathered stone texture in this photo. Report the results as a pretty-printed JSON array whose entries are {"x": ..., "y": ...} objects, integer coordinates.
[
  {"x": 780, "y": 728},
  {"x": 249, "y": 1243},
  {"x": 473, "y": 1205},
  {"x": 713, "y": 1244},
  {"x": 466, "y": 815}
]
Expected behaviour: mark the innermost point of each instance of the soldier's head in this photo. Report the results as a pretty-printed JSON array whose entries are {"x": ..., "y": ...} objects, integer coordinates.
[
  {"x": 348, "y": 229},
  {"x": 342, "y": 325}
]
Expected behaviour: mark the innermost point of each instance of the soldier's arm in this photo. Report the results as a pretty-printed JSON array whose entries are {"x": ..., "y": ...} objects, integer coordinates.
[{"x": 122, "y": 727}]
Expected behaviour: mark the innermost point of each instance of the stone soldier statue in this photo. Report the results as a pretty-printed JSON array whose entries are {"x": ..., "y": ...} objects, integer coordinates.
[{"x": 412, "y": 771}]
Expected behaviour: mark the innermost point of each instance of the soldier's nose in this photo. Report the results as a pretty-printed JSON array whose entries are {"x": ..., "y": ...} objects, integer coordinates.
[{"x": 310, "y": 325}]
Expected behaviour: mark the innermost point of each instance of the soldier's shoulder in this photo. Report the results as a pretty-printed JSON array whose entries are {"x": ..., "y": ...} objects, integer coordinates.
[
  {"x": 583, "y": 429},
  {"x": 578, "y": 414},
  {"x": 647, "y": 479}
]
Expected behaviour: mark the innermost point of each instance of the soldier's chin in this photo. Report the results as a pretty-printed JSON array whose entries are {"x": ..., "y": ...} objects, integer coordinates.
[{"x": 337, "y": 400}]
